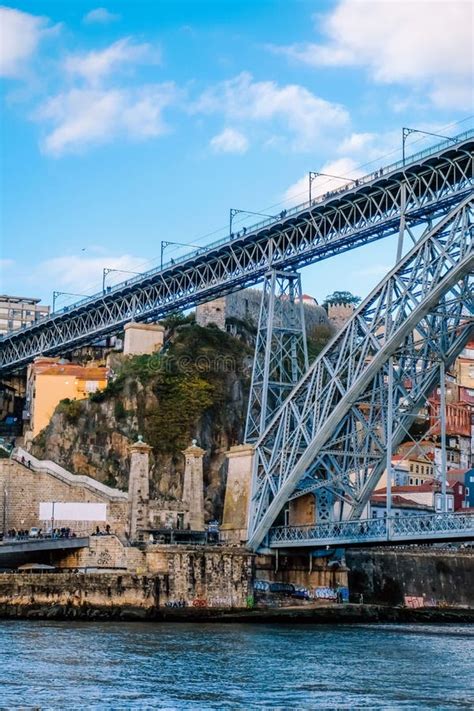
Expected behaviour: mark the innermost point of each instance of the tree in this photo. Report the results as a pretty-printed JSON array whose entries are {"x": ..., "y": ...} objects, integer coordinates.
[{"x": 341, "y": 297}]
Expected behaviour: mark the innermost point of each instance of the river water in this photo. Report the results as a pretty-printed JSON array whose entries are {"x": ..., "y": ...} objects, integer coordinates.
[{"x": 66, "y": 665}]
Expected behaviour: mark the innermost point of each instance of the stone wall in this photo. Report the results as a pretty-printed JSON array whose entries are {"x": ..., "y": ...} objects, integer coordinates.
[
  {"x": 387, "y": 576},
  {"x": 245, "y": 306},
  {"x": 339, "y": 314},
  {"x": 166, "y": 576},
  {"x": 302, "y": 570},
  {"x": 215, "y": 577},
  {"x": 23, "y": 489}
]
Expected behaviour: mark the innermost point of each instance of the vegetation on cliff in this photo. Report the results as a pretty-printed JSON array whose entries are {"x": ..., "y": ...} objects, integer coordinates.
[{"x": 196, "y": 387}]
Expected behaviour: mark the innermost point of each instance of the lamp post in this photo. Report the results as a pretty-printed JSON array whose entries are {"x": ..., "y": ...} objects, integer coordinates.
[
  {"x": 234, "y": 211},
  {"x": 312, "y": 175},
  {"x": 52, "y": 518},
  {"x": 5, "y": 502},
  {"x": 407, "y": 131},
  {"x": 108, "y": 270},
  {"x": 62, "y": 293},
  {"x": 166, "y": 243}
]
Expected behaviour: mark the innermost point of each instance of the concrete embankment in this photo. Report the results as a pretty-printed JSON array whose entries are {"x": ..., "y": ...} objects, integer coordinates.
[
  {"x": 388, "y": 577},
  {"x": 330, "y": 614},
  {"x": 113, "y": 596}
]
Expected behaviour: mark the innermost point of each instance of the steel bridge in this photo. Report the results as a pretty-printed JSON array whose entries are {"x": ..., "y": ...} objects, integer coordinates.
[
  {"x": 430, "y": 528},
  {"x": 416, "y": 191},
  {"x": 335, "y": 432}
]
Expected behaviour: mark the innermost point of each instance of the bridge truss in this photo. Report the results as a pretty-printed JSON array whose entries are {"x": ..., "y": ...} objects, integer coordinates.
[
  {"x": 281, "y": 353},
  {"x": 332, "y": 434},
  {"x": 422, "y": 189}
]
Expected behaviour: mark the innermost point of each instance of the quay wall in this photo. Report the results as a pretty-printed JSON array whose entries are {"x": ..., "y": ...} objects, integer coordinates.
[
  {"x": 387, "y": 577},
  {"x": 109, "y": 574}
]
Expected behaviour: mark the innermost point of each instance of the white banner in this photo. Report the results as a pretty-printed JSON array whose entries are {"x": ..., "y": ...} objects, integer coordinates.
[{"x": 64, "y": 511}]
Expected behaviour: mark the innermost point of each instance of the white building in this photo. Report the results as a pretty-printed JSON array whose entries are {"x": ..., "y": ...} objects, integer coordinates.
[{"x": 19, "y": 311}]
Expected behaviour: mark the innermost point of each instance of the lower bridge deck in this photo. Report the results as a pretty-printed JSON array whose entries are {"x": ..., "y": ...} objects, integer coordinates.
[
  {"x": 37, "y": 550},
  {"x": 429, "y": 528}
]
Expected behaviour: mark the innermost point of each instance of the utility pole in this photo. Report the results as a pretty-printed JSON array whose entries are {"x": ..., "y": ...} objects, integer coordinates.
[
  {"x": 442, "y": 408},
  {"x": 388, "y": 443}
]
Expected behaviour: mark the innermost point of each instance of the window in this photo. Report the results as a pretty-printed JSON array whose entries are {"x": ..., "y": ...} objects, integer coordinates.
[
  {"x": 438, "y": 503},
  {"x": 92, "y": 386},
  {"x": 417, "y": 469},
  {"x": 450, "y": 504}
]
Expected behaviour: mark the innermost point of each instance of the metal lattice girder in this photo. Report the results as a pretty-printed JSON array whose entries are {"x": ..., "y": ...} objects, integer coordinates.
[
  {"x": 423, "y": 189},
  {"x": 332, "y": 428},
  {"x": 281, "y": 355}
]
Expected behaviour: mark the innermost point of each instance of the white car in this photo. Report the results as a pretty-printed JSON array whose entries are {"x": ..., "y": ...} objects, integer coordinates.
[{"x": 34, "y": 532}]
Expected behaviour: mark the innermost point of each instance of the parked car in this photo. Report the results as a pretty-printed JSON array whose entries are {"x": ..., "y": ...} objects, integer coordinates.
[{"x": 34, "y": 532}]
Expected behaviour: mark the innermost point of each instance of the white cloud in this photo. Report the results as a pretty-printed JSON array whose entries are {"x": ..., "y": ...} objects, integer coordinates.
[
  {"x": 230, "y": 141},
  {"x": 343, "y": 167},
  {"x": 300, "y": 112},
  {"x": 355, "y": 142},
  {"x": 422, "y": 43},
  {"x": 20, "y": 34},
  {"x": 95, "y": 66},
  {"x": 84, "y": 117},
  {"x": 100, "y": 16},
  {"x": 83, "y": 275}
]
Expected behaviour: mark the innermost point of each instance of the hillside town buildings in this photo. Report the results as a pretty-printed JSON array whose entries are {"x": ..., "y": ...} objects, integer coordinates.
[{"x": 20, "y": 311}]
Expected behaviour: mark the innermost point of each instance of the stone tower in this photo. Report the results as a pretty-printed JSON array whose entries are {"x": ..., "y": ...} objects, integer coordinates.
[
  {"x": 193, "y": 486},
  {"x": 138, "y": 488},
  {"x": 237, "y": 494}
]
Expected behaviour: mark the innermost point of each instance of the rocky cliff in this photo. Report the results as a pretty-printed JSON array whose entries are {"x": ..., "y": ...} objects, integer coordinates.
[{"x": 197, "y": 387}]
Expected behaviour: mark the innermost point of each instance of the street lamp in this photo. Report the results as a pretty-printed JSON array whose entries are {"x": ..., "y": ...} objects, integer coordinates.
[
  {"x": 62, "y": 293},
  {"x": 312, "y": 175},
  {"x": 407, "y": 131},
  {"x": 107, "y": 270},
  {"x": 166, "y": 243},
  {"x": 234, "y": 211}
]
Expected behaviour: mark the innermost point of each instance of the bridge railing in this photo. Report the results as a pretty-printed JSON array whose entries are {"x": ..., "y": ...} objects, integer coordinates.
[
  {"x": 434, "y": 523},
  {"x": 385, "y": 170},
  {"x": 374, "y": 530}
]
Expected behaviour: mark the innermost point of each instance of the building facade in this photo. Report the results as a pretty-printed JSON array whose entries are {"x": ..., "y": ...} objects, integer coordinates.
[
  {"x": 19, "y": 311},
  {"x": 50, "y": 380}
]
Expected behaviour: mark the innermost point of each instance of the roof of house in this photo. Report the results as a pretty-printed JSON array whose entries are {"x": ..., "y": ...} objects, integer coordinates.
[
  {"x": 82, "y": 372},
  {"x": 454, "y": 474},
  {"x": 399, "y": 501},
  {"x": 425, "y": 487}
]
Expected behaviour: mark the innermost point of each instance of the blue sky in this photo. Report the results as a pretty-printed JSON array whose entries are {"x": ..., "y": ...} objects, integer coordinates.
[{"x": 133, "y": 122}]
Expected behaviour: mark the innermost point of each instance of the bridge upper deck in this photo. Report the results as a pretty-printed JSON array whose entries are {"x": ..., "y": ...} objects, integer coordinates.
[{"x": 366, "y": 210}]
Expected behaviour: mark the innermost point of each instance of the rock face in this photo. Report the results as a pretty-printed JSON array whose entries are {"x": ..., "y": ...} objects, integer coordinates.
[{"x": 196, "y": 388}]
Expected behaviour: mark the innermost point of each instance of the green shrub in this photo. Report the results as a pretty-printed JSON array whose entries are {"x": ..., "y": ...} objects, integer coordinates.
[{"x": 71, "y": 409}]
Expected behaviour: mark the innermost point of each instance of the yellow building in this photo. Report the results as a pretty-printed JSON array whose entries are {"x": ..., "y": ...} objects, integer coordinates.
[{"x": 51, "y": 380}]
